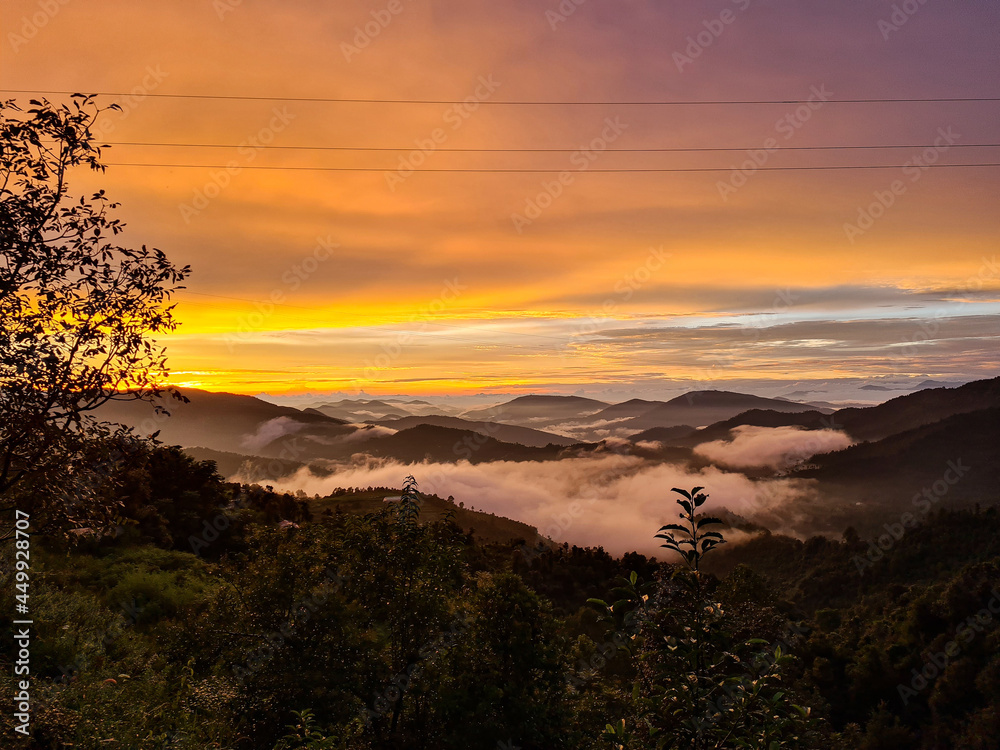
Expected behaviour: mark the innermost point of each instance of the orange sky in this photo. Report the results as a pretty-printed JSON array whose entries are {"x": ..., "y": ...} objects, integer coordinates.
[{"x": 435, "y": 282}]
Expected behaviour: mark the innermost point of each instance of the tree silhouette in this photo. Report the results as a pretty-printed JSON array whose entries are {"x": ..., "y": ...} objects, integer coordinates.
[{"x": 76, "y": 314}]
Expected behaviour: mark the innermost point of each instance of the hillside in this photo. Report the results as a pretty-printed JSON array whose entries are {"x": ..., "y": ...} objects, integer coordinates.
[
  {"x": 424, "y": 442},
  {"x": 221, "y": 421},
  {"x": 362, "y": 411},
  {"x": 701, "y": 408},
  {"x": 487, "y": 528},
  {"x": 918, "y": 408},
  {"x": 953, "y": 463},
  {"x": 635, "y": 407},
  {"x": 432, "y": 443},
  {"x": 537, "y": 410},
  {"x": 258, "y": 469},
  {"x": 871, "y": 423},
  {"x": 810, "y": 420},
  {"x": 668, "y": 435},
  {"x": 503, "y": 432}
]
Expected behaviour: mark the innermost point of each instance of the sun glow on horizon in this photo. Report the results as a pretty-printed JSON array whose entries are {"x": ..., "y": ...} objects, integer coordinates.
[{"x": 408, "y": 275}]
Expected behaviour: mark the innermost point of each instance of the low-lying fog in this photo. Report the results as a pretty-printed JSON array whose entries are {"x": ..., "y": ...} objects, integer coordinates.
[{"x": 610, "y": 500}]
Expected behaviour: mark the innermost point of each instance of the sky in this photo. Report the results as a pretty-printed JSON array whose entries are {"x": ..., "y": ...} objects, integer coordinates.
[{"x": 397, "y": 280}]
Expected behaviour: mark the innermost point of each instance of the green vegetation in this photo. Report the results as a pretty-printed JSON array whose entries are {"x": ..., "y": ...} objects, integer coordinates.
[
  {"x": 393, "y": 629},
  {"x": 701, "y": 681}
]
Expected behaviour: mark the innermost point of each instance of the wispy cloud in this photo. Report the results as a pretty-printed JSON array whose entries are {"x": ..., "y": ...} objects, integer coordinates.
[{"x": 774, "y": 447}]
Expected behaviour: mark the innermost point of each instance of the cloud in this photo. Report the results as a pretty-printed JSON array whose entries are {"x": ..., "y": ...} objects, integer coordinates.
[
  {"x": 269, "y": 431},
  {"x": 583, "y": 430},
  {"x": 365, "y": 432},
  {"x": 614, "y": 501},
  {"x": 615, "y": 444},
  {"x": 774, "y": 447},
  {"x": 279, "y": 427},
  {"x": 649, "y": 445}
]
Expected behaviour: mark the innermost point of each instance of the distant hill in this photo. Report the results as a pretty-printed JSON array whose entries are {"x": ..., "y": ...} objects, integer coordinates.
[
  {"x": 707, "y": 407},
  {"x": 486, "y": 527},
  {"x": 413, "y": 445},
  {"x": 864, "y": 423},
  {"x": 221, "y": 421},
  {"x": 667, "y": 435},
  {"x": 828, "y": 406},
  {"x": 503, "y": 432},
  {"x": 239, "y": 428},
  {"x": 918, "y": 408},
  {"x": 446, "y": 444},
  {"x": 310, "y": 410},
  {"x": 254, "y": 469},
  {"x": 810, "y": 420},
  {"x": 423, "y": 442},
  {"x": 627, "y": 409},
  {"x": 362, "y": 411},
  {"x": 537, "y": 410},
  {"x": 936, "y": 384}
]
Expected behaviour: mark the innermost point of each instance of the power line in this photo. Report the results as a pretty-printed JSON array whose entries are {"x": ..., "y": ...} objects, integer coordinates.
[
  {"x": 550, "y": 170},
  {"x": 495, "y": 102},
  {"x": 549, "y": 150}
]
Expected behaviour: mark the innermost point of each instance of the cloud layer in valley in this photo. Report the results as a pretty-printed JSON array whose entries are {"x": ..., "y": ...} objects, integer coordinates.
[{"x": 614, "y": 501}]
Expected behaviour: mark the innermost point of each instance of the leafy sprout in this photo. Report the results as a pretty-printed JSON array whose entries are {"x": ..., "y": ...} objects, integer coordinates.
[
  {"x": 408, "y": 509},
  {"x": 690, "y": 541}
]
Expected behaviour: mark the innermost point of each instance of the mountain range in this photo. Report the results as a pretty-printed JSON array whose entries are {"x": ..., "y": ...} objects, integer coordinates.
[
  {"x": 702, "y": 408},
  {"x": 897, "y": 448}
]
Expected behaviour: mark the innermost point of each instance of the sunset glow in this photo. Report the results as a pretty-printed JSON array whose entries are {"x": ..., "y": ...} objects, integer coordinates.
[{"x": 465, "y": 282}]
